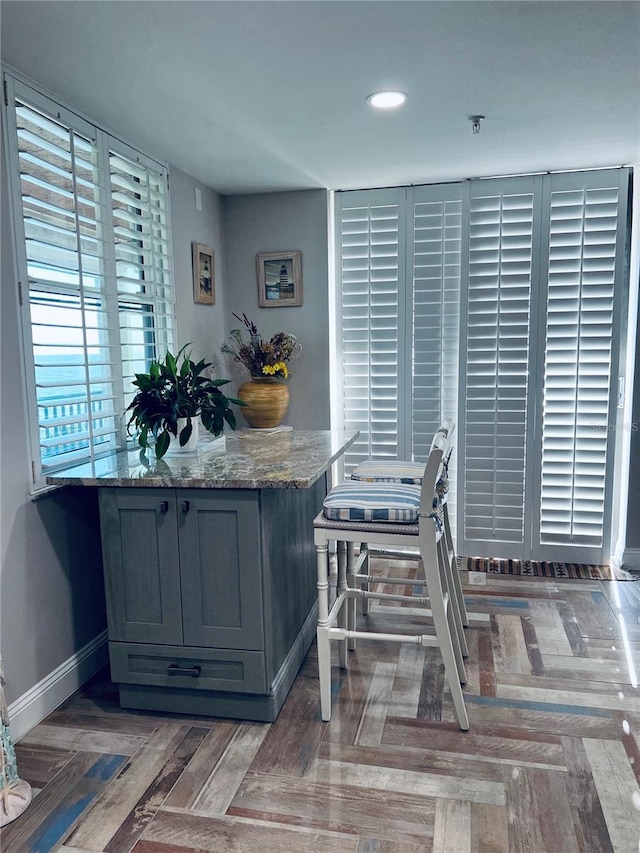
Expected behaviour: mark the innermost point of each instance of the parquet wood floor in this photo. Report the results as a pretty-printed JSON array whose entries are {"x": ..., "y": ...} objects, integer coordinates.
[{"x": 551, "y": 763}]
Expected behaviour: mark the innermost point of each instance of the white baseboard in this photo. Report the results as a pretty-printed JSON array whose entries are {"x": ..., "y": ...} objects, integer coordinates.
[
  {"x": 631, "y": 559},
  {"x": 44, "y": 697}
]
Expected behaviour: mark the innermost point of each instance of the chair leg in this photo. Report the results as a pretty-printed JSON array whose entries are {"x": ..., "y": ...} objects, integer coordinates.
[
  {"x": 448, "y": 584},
  {"x": 365, "y": 571},
  {"x": 352, "y": 601},
  {"x": 456, "y": 645},
  {"x": 458, "y": 640},
  {"x": 343, "y": 616},
  {"x": 324, "y": 644},
  {"x": 442, "y": 626},
  {"x": 455, "y": 573}
]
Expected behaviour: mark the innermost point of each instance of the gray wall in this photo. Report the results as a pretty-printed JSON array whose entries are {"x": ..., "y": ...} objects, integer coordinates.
[
  {"x": 202, "y": 325},
  {"x": 51, "y": 590},
  {"x": 51, "y": 586},
  {"x": 273, "y": 222}
]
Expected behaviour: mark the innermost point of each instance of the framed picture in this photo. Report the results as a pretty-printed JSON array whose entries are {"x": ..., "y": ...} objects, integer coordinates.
[
  {"x": 279, "y": 279},
  {"x": 204, "y": 279}
]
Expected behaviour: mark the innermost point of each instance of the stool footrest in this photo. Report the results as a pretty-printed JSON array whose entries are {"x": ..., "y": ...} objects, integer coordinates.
[
  {"x": 416, "y": 639},
  {"x": 389, "y": 596},
  {"x": 381, "y": 579},
  {"x": 390, "y": 554}
]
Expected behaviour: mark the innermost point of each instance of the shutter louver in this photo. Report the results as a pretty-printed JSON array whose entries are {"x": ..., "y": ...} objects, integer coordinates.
[
  {"x": 65, "y": 256},
  {"x": 370, "y": 238},
  {"x": 497, "y": 365},
  {"x": 579, "y": 336}
]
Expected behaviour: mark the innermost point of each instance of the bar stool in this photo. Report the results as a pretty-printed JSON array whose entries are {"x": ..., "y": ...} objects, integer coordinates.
[
  {"x": 400, "y": 516},
  {"x": 410, "y": 473}
]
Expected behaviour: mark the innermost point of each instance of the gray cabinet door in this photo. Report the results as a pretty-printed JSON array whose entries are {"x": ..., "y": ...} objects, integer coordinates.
[
  {"x": 220, "y": 561},
  {"x": 141, "y": 565}
]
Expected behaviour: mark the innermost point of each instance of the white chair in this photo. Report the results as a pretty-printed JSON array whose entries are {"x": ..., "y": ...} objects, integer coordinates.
[
  {"x": 410, "y": 473},
  {"x": 399, "y": 516}
]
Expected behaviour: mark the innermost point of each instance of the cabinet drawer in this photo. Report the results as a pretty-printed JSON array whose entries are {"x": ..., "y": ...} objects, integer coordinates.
[{"x": 184, "y": 667}]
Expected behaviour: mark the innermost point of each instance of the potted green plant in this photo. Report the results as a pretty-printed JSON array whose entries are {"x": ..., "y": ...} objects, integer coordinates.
[{"x": 169, "y": 399}]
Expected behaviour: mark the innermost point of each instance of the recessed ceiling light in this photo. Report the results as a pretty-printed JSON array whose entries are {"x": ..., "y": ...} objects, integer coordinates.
[{"x": 386, "y": 100}]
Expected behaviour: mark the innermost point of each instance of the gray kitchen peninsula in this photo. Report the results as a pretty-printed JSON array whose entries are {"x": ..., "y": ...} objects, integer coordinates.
[{"x": 209, "y": 568}]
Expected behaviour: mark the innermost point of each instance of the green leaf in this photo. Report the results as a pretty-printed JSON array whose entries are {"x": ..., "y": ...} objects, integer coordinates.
[
  {"x": 143, "y": 438},
  {"x": 185, "y": 433},
  {"x": 170, "y": 364},
  {"x": 199, "y": 367},
  {"x": 182, "y": 349},
  {"x": 162, "y": 444}
]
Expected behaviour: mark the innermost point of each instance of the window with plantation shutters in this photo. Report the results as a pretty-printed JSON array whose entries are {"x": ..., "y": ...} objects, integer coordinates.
[
  {"x": 398, "y": 317},
  {"x": 93, "y": 260},
  {"x": 142, "y": 262},
  {"x": 496, "y": 363},
  {"x": 437, "y": 231},
  {"x": 371, "y": 262},
  {"x": 436, "y": 220},
  {"x": 584, "y": 229},
  {"x": 75, "y": 399},
  {"x": 505, "y": 306}
]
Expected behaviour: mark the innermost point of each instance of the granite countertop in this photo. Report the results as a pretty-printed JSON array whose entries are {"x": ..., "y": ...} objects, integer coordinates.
[{"x": 247, "y": 459}]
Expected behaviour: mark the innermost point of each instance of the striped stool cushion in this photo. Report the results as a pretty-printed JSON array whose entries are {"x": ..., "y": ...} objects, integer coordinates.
[
  {"x": 373, "y": 471},
  {"x": 383, "y": 502},
  {"x": 397, "y": 472}
]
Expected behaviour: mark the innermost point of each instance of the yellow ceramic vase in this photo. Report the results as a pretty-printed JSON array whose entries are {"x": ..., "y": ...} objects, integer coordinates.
[{"x": 267, "y": 400}]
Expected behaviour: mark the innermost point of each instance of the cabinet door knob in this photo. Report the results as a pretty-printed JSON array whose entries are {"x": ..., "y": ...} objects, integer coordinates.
[
  {"x": 185, "y": 506},
  {"x": 164, "y": 506}
]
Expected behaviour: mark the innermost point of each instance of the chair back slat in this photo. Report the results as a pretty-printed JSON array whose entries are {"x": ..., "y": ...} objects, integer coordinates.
[{"x": 445, "y": 430}]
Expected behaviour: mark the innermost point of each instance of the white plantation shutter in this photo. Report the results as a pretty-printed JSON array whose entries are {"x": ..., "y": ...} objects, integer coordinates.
[
  {"x": 371, "y": 236},
  {"x": 75, "y": 397},
  {"x": 495, "y": 374},
  {"x": 521, "y": 281},
  {"x": 586, "y": 216},
  {"x": 83, "y": 211},
  {"x": 435, "y": 312},
  {"x": 139, "y": 199}
]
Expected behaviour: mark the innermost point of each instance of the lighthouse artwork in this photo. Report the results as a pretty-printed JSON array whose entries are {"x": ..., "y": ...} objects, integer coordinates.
[{"x": 279, "y": 279}]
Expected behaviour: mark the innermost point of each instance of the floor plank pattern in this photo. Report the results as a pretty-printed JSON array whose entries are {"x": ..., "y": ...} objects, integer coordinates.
[{"x": 551, "y": 763}]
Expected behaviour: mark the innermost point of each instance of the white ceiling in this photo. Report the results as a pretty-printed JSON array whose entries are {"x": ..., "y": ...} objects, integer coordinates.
[{"x": 255, "y": 95}]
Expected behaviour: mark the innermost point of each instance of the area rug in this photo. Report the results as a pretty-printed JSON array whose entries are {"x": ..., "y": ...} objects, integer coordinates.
[{"x": 540, "y": 569}]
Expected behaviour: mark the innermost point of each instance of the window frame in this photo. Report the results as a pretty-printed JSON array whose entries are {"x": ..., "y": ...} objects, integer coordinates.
[{"x": 17, "y": 88}]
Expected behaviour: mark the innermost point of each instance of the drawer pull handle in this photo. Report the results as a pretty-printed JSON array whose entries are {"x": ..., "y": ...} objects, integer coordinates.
[
  {"x": 185, "y": 506},
  {"x": 175, "y": 669},
  {"x": 164, "y": 506}
]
